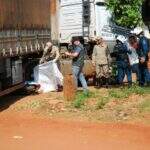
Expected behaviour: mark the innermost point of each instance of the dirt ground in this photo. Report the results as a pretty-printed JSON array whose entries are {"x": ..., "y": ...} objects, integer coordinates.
[
  {"x": 42, "y": 122},
  {"x": 22, "y": 131}
]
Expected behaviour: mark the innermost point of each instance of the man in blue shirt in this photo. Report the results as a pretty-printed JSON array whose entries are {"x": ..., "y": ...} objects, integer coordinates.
[
  {"x": 78, "y": 56},
  {"x": 143, "y": 56}
]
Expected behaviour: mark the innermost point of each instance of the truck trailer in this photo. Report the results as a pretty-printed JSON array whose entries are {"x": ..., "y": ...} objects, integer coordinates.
[{"x": 25, "y": 27}]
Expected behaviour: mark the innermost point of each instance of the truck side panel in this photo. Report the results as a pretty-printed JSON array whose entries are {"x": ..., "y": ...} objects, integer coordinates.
[
  {"x": 24, "y": 26},
  {"x": 70, "y": 22},
  {"x": 103, "y": 22},
  {"x": 24, "y": 14}
]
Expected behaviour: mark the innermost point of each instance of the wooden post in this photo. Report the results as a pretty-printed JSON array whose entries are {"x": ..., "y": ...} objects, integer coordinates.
[{"x": 69, "y": 88}]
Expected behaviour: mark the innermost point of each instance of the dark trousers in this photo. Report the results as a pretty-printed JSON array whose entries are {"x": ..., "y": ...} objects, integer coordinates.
[
  {"x": 123, "y": 69},
  {"x": 135, "y": 69},
  {"x": 144, "y": 75}
]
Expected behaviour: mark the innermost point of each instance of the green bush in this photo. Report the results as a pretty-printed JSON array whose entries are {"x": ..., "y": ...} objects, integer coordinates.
[{"x": 126, "y": 13}]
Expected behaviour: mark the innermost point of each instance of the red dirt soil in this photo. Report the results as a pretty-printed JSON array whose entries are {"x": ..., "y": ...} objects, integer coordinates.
[{"x": 21, "y": 131}]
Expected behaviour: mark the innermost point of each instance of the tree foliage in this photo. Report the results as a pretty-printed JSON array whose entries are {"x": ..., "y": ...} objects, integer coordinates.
[{"x": 126, "y": 13}]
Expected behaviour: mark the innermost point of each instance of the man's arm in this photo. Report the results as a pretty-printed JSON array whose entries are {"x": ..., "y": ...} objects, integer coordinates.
[
  {"x": 44, "y": 55},
  {"x": 75, "y": 53},
  {"x": 108, "y": 55},
  {"x": 57, "y": 53},
  {"x": 145, "y": 46},
  {"x": 94, "y": 56}
]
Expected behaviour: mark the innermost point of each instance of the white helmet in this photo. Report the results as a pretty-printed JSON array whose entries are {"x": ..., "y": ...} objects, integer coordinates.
[
  {"x": 137, "y": 30},
  {"x": 121, "y": 38}
]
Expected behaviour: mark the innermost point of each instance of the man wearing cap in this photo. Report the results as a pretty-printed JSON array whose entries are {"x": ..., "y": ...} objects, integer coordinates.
[
  {"x": 51, "y": 53},
  {"x": 143, "y": 56},
  {"x": 78, "y": 54},
  {"x": 101, "y": 61},
  {"x": 120, "y": 52}
]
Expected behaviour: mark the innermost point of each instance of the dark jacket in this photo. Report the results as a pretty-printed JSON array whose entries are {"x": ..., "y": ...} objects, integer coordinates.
[
  {"x": 120, "y": 52},
  {"x": 143, "y": 47}
]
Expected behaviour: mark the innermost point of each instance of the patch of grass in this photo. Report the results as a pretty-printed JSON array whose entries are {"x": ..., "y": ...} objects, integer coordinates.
[
  {"x": 115, "y": 93},
  {"x": 102, "y": 102},
  {"x": 140, "y": 90},
  {"x": 145, "y": 106},
  {"x": 119, "y": 93},
  {"x": 30, "y": 105},
  {"x": 126, "y": 92},
  {"x": 81, "y": 98}
]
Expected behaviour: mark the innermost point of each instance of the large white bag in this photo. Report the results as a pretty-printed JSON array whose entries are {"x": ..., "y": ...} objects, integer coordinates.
[{"x": 48, "y": 76}]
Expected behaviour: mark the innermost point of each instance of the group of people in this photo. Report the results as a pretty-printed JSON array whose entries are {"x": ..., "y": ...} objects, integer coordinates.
[
  {"x": 51, "y": 53},
  {"x": 131, "y": 56}
]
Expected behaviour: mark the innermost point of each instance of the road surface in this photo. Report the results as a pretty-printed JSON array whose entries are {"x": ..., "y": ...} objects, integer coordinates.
[{"x": 22, "y": 131}]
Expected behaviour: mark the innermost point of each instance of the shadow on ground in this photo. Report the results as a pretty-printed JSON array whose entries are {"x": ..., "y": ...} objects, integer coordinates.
[{"x": 8, "y": 100}]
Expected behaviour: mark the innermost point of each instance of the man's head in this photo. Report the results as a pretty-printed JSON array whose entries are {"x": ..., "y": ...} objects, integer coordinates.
[
  {"x": 133, "y": 41},
  {"x": 76, "y": 41},
  {"x": 99, "y": 41},
  {"x": 48, "y": 46}
]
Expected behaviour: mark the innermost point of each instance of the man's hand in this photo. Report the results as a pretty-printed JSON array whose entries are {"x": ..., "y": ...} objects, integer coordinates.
[
  {"x": 54, "y": 60},
  {"x": 93, "y": 63},
  {"x": 67, "y": 53},
  {"x": 142, "y": 60}
]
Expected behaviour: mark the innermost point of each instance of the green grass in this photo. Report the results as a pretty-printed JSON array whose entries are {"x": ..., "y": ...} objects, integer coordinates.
[
  {"x": 117, "y": 93},
  {"x": 102, "y": 102},
  {"x": 126, "y": 92},
  {"x": 81, "y": 98},
  {"x": 145, "y": 106},
  {"x": 33, "y": 105}
]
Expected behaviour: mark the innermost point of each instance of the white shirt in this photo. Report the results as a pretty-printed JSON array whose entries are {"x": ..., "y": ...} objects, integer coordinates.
[{"x": 133, "y": 57}]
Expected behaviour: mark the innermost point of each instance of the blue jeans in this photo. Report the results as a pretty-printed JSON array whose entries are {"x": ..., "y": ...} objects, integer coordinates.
[
  {"x": 77, "y": 72},
  {"x": 135, "y": 69},
  {"x": 144, "y": 75},
  {"x": 123, "y": 69},
  {"x": 148, "y": 76}
]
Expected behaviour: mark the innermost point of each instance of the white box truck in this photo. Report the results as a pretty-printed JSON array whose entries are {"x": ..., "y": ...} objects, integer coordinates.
[{"x": 87, "y": 18}]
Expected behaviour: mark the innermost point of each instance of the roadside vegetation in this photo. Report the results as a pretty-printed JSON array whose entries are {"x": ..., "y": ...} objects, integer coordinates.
[
  {"x": 107, "y": 105},
  {"x": 126, "y": 13}
]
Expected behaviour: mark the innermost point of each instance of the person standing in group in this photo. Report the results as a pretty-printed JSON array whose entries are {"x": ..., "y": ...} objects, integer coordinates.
[
  {"x": 101, "y": 61},
  {"x": 51, "y": 53},
  {"x": 132, "y": 46},
  {"x": 120, "y": 52},
  {"x": 78, "y": 54},
  {"x": 143, "y": 56}
]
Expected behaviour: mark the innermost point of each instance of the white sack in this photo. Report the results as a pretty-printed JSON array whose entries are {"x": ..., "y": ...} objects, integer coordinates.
[{"x": 48, "y": 76}]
